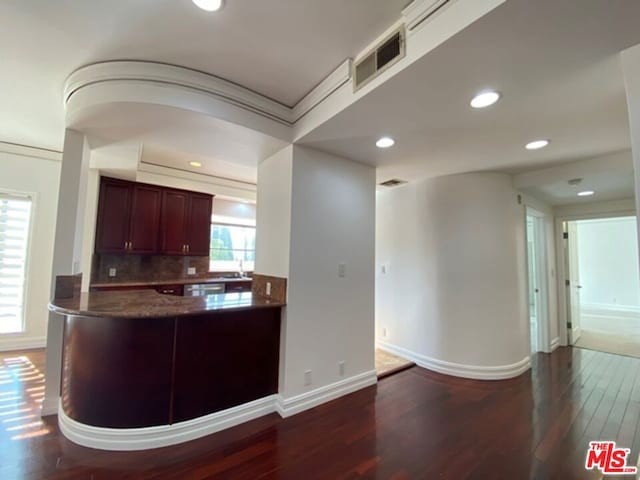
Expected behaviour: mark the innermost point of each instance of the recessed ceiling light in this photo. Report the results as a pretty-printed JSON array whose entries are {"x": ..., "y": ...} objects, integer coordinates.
[
  {"x": 485, "y": 99},
  {"x": 209, "y": 5},
  {"x": 537, "y": 144},
  {"x": 385, "y": 142},
  {"x": 586, "y": 193},
  {"x": 195, "y": 164}
]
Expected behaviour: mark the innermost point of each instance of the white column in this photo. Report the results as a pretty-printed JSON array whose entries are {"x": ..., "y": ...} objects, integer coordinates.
[
  {"x": 631, "y": 69},
  {"x": 316, "y": 226},
  {"x": 67, "y": 253}
]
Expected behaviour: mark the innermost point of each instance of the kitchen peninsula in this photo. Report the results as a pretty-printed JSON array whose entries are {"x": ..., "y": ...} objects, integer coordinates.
[{"x": 137, "y": 359}]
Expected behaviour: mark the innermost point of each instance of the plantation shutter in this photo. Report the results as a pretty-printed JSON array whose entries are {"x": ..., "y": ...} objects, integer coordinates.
[{"x": 15, "y": 216}]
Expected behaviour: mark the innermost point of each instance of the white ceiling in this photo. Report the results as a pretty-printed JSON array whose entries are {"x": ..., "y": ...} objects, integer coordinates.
[
  {"x": 154, "y": 155},
  {"x": 280, "y": 48},
  {"x": 174, "y": 137},
  {"x": 610, "y": 177},
  {"x": 556, "y": 64}
]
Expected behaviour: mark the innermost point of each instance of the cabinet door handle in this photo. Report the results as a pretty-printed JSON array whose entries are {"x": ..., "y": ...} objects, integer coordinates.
[
  {"x": 126, "y": 245},
  {"x": 188, "y": 248},
  {"x": 184, "y": 248},
  {"x": 130, "y": 246}
]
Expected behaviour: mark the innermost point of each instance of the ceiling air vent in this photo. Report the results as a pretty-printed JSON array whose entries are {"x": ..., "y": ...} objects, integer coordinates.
[
  {"x": 394, "y": 182},
  {"x": 379, "y": 58}
]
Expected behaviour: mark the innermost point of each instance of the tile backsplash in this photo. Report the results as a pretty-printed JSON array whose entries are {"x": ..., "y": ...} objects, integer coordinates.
[{"x": 133, "y": 268}]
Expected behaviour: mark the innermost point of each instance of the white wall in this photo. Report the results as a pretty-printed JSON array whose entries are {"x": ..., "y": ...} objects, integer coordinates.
[
  {"x": 329, "y": 319},
  {"x": 316, "y": 211},
  {"x": 608, "y": 263},
  {"x": 38, "y": 176},
  {"x": 273, "y": 221},
  {"x": 631, "y": 69},
  {"x": 454, "y": 293},
  {"x": 232, "y": 209}
]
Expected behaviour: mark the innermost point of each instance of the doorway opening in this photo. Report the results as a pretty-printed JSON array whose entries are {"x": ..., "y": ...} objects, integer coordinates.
[
  {"x": 538, "y": 287},
  {"x": 603, "y": 284}
]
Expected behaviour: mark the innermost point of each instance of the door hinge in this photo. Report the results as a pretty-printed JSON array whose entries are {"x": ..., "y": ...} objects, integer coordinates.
[
  {"x": 568, "y": 324},
  {"x": 565, "y": 235},
  {"x": 567, "y": 283}
]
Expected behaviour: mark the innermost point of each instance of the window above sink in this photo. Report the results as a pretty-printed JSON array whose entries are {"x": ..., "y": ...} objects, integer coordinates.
[{"x": 233, "y": 245}]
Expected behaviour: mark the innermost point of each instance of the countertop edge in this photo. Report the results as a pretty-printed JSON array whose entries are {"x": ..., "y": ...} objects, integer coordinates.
[
  {"x": 157, "y": 283},
  {"x": 81, "y": 313},
  {"x": 173, "y": 311}
]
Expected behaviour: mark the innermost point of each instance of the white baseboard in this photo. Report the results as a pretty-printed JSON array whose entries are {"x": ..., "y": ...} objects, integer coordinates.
[
  {"x": 287, "y": 407},
  {"x": 555, "y": 343},
  {"x": 499, "y": 372},
  {"x": 165, "y": 435},
  {"x": 607, "y": 309},
  {"x": 576, "y": 332},
  {"x": 21, "y": 342}
]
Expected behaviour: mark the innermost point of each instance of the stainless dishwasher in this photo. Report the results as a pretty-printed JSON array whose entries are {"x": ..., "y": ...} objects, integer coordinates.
[{"x": 201, "y": 289}]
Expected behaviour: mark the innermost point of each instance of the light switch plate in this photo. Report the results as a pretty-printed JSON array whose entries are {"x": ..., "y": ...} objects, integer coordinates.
[
  {"x": 268, "y": 289},
  {"x": 112, "y": 272},
  {"x": 191, "y": 271},
  {"x": 342, "y": 270}
]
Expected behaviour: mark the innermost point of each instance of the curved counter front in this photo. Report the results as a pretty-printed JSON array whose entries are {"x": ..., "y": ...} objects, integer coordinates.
[{"x": 139, "y": 359}]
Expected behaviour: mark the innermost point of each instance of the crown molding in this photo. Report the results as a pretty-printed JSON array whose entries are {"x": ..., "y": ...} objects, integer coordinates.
[
  {"x": 161, "y": 73},
  {"x": 28, "y": 151},
  {"x": 331, "y": 83},
  {"x": 419, "y": 10},
  {"x": 121, "y": 72}
]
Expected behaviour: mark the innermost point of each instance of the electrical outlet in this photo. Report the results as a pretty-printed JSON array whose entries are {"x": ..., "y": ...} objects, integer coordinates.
[
  {"x": 341, "y": 367},
  {"x": 191, "y": 271},
  {"x": 384, "y": 332},
  {"x": 342, "y": 270},
  {"x": 112, "y": 272},
  {"x": 268, "y": 289},
  {"x": 307, "y": 378}
]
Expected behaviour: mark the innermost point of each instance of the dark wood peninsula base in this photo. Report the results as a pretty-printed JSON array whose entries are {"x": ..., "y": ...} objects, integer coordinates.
[{"x": 143, "y": 368}]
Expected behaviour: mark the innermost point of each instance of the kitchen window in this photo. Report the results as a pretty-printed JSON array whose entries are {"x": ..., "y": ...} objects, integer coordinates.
[
  {"x": 15, "y": 219},
  {"x": 233, "y": 247}
]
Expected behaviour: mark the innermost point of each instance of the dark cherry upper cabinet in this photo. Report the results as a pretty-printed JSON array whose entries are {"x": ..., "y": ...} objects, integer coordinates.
[
  {"x": 128, "y": 217},
  {"x": 114, "y": 206},
  {"x": 145, "y": 219},
  {"x": 199, "y": 225},
  {"x": 186, "y": 223},
  {"x": 175, "y": 206}
]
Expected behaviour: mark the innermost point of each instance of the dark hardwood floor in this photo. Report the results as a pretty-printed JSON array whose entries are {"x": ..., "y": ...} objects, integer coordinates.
[{"x": 413, "y": 425}]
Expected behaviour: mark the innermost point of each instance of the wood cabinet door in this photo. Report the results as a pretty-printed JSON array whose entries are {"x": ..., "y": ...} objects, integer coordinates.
[
  {"x": 173, "y": 224},
  {"x": 225, "y": 359},
  {"x": 199, "y": 224},
  {"x": 112, "y": 229},
  {"x": 145, "y": 219}
]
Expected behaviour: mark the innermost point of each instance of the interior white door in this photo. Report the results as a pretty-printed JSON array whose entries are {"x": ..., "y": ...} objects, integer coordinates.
[{"x": 573, "y": 286}]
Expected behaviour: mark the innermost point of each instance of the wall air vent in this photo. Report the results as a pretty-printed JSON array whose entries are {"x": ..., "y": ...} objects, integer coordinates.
[
  {"x": 379, "y": 58},
  {"x": 394, "y": 182}
]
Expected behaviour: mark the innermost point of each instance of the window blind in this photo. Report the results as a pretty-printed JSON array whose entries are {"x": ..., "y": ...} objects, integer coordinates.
[{"x": 15, "y": 217}]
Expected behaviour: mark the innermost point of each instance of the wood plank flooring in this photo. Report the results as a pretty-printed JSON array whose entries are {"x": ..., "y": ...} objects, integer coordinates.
[{"x": 413, "y": 425}]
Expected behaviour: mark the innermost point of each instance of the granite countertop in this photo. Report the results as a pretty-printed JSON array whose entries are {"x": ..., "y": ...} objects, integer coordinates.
[
  {"x": 150, "y": 304},
  {"x": 181, "y": 281}
]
